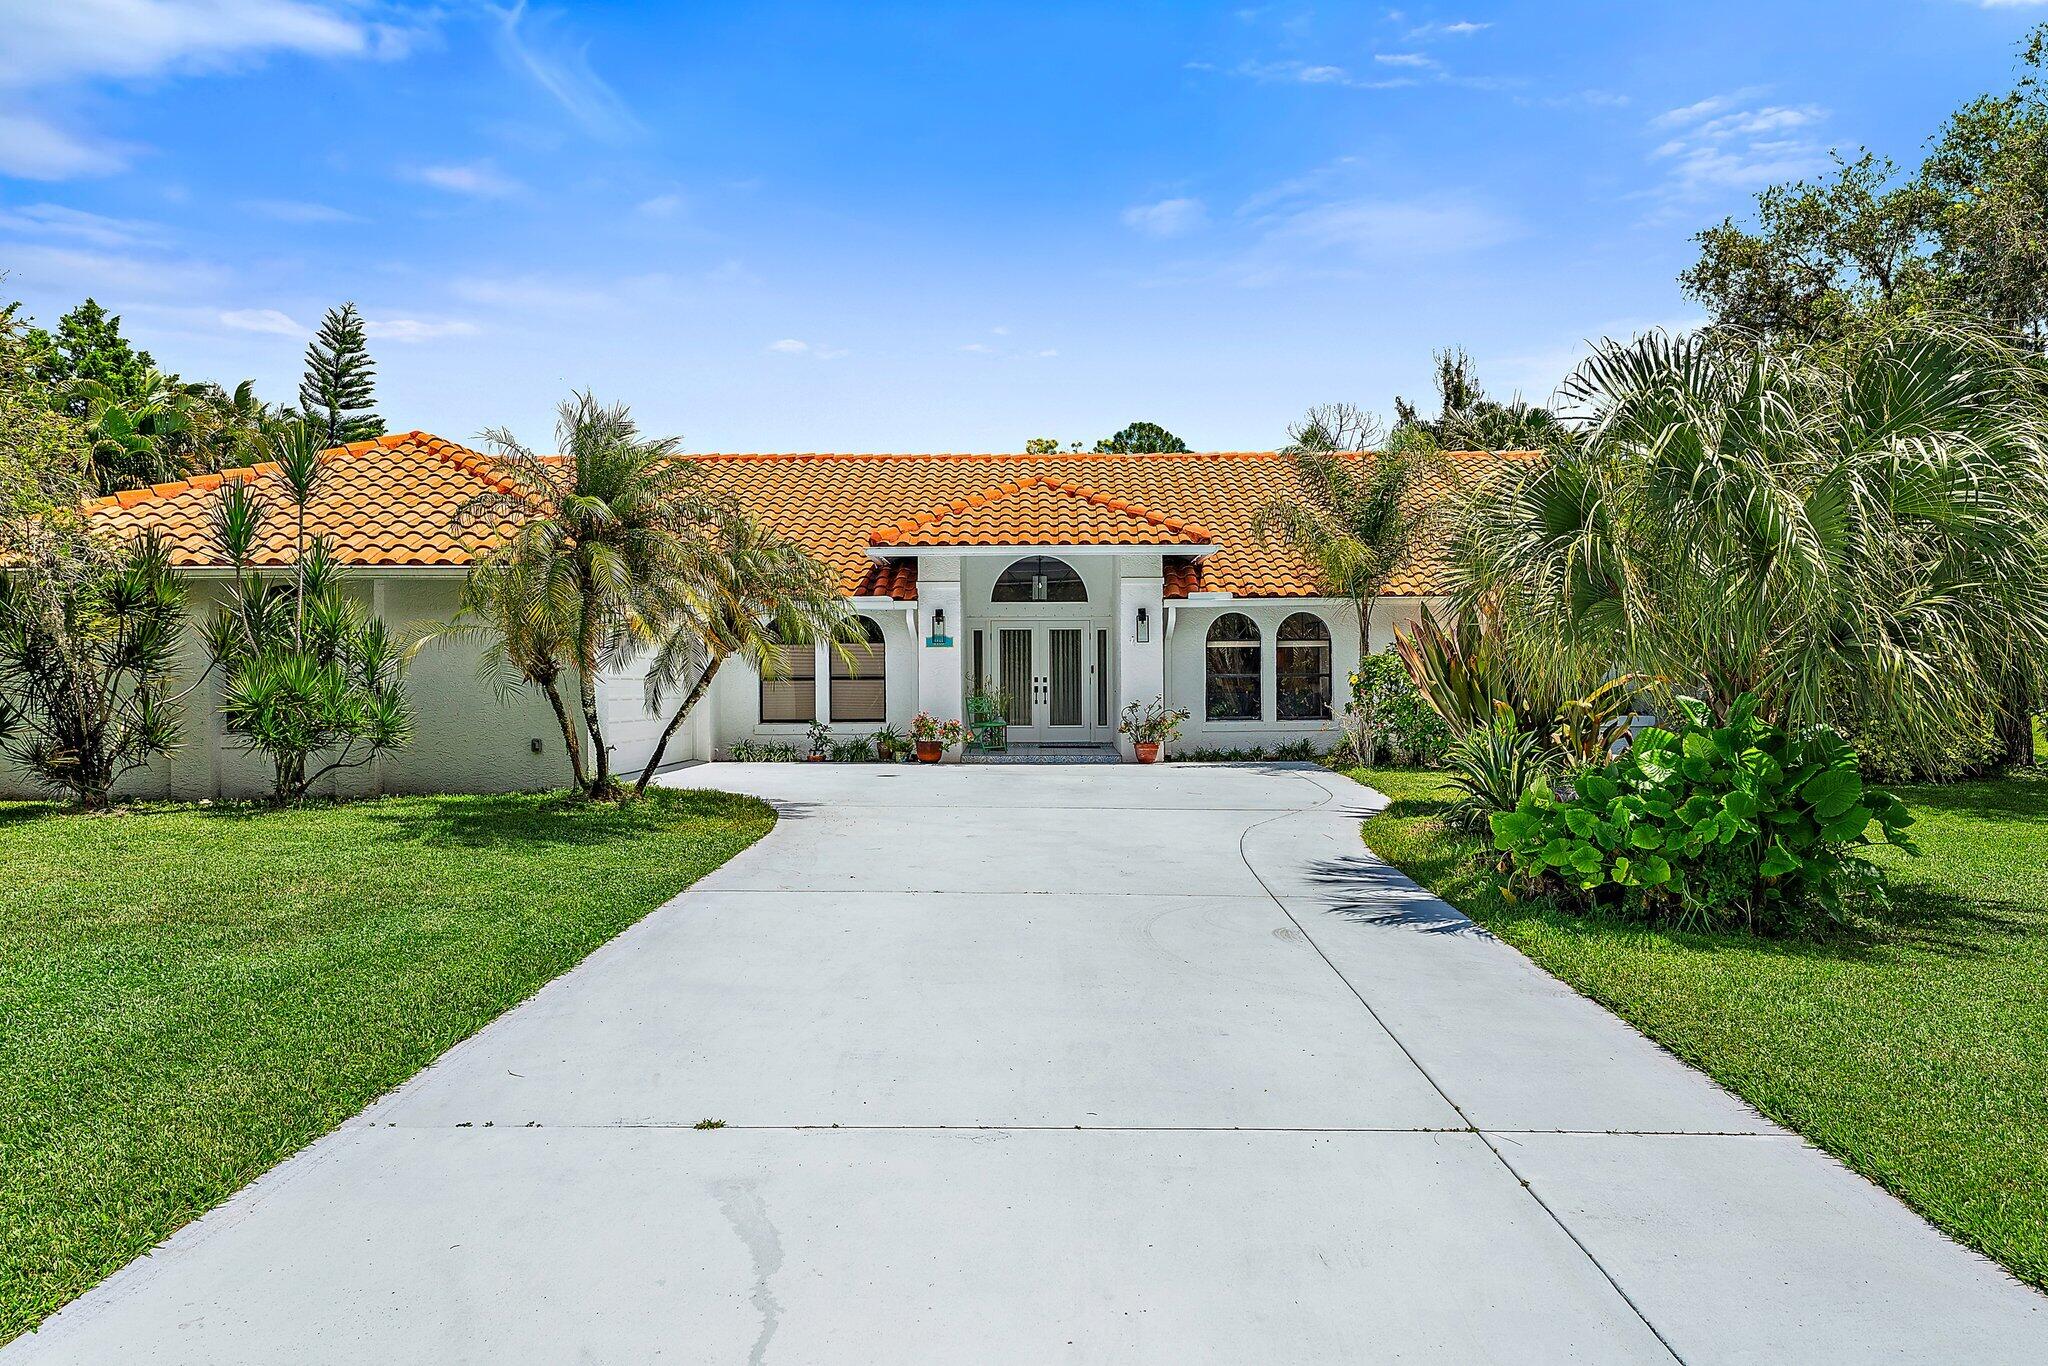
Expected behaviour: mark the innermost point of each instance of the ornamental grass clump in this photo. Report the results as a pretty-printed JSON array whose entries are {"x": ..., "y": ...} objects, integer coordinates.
[{"x": 1709, "y": 825}]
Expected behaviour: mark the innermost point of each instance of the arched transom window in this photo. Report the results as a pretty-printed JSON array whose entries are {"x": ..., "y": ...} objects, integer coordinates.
[
  {"x": 1301, "y": 667},
  {"x": 1039, "y": 578},
  {"x": 1233, "y": 669},
  {"x": 860, "y": 682}
]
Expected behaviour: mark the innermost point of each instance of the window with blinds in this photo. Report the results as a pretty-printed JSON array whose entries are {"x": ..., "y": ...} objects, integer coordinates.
[{"x": 860, "y": 689}]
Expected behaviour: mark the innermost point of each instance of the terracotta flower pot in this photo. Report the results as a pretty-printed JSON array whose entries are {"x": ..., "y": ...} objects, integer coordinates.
[
  {"x": 929, "y": 751},
  {"x": 1148, "y": 751}
]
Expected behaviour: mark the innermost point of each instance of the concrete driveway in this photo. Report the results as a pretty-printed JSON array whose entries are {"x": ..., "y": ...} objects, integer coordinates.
[{"x": 1055, "y": 1064}]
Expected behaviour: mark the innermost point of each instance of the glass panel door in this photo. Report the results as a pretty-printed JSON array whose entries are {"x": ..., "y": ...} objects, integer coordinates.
[
  {"x": 1015, "y": 676},
  {"x": 1064, "y": 671}
]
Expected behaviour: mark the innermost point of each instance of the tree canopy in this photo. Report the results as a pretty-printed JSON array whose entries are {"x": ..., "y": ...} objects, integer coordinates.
[
  {"x": 1867, "y": 245},
  {"x": 1141, "y": 438},
  {"x": 338, "y": 393}
]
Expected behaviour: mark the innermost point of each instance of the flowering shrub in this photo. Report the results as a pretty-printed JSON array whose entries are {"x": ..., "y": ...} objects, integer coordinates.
[
  {"x": 1709, "y": 825},
  {"x": 1387, "y": 712}
]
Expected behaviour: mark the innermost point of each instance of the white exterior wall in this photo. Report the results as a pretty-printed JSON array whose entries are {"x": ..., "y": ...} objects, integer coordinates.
[
  {"x": 732, "y": 708},
  {"x": 465, "y": 739},
  {"x": 1186, "y": 667}
]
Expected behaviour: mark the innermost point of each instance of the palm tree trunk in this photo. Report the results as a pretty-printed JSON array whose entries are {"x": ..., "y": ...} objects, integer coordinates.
[
  {"x": 600, "y": 784},
  {"x": 601, "y": 776},
  {"x": 1367, "y": 739},
  {"x": 675, "y": 722},
  {"x": 570, "y": 739}
]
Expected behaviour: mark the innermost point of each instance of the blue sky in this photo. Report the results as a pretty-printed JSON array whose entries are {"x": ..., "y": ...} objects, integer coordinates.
[{"x": 875, "y": 227}]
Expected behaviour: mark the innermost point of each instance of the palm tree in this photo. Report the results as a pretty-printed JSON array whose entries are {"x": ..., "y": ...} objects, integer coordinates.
[
  {"x": 1847, "y": 533},
  {"x": 600, "y": 534},
  {"x": 143, "y": 439},
  {"x": 753, "y": 593},
  {"x": 1358, "y": 514}
]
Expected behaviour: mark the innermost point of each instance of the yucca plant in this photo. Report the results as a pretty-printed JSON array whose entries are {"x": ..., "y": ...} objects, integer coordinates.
[
  {"x": 312, "y": 681},
  {"x": 89, "y": 637},
  {"x": 1494, "y": 765}
]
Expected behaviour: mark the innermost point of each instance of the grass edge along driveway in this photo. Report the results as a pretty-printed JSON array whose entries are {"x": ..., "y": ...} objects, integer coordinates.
[
  {"x": 1913, "y": 1047},
  {"x": 192, "y": 994}
]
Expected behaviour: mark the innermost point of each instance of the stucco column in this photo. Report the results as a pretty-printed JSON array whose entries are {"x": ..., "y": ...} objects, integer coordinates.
[
  {"x": 1141, "y": 664},
  {"x": 938, "y": 666}
]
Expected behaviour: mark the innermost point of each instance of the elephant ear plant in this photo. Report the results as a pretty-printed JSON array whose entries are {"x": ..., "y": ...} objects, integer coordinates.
[
  {"x": 311, "y": 680},
  {"x": 1708, "y": 825}
]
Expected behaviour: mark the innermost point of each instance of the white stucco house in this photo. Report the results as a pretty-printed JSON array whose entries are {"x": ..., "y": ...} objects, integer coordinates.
[{"x": 1075, "y": 583}]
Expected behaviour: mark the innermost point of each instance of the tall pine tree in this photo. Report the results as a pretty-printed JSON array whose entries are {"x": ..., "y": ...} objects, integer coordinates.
[{"x": 337, "y": 394}]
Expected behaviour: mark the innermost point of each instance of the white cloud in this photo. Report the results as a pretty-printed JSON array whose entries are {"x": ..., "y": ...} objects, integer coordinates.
[
  {"x": 298, "y": 211},
  {"x": 1409, "y": 59},
  {"x": 530, "y": 293},
  {"x": 662, "y": 206},
  {"x": 266, "y": 320},
  {"x": 1730, "y": 142},
  {"x": 57, "y": 220},
  {"x": 790, "y": 346},
  {"x": 979, "y": 348},
  {"x": 1462, "y": 28},
  {"x": 559, "y": 64},
  {"x": 75, "y": 272},
  {"x": 1377, "y": 228},
  {"x": 479, "y": 180},
  {"x": 1167, "y": 218},
  {"x": 417, "y": 329},
  {"x": 56, "y": 43},
  {"x": 33, "y": 148},
  {"x": 1305, "y": 73},
  {"x": 52, "y": 44},
  {"x": 1049, "y": 351}
]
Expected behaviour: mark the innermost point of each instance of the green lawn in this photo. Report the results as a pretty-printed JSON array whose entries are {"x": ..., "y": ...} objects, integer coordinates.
[
  {"x": 191, "y": 994},
  {"x": 1915, "y": 1048}
]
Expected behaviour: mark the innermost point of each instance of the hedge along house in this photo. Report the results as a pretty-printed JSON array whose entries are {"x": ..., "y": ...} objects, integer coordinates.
[{"x": 1075, "y": 584}]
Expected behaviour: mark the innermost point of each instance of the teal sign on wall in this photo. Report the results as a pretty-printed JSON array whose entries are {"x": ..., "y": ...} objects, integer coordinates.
[{"x": 939, "y": 642}]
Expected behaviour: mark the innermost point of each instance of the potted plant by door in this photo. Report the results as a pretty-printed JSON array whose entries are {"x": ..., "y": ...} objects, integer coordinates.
[
  {"x": 1150, "y": 726},
  {"x": 821, "y": 742},
  {"x": 934, "y": 737}
]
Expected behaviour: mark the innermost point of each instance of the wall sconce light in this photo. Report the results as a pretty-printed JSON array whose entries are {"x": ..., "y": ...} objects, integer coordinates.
[
  {"x": 1144, "y": 626},
  {"x": 938, "y": 621}
]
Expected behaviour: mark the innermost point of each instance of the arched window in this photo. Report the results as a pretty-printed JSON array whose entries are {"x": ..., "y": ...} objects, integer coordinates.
[
  {"x": 1039, "y": 578},
  {"x": 860, "y": 676},
  {"x": 789, "y": 685},
  {"x": 1233, "y": 669},
  {"x": 1301, "y": 660}
]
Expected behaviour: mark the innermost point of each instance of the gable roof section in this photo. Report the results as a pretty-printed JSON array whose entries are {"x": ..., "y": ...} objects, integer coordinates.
[
  {"x": 392, "y": 502},
  {"x": 1038, "y": 510}
]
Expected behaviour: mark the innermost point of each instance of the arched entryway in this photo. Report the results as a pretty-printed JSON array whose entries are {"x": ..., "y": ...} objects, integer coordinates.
[{"x": 1043, "y": 640}]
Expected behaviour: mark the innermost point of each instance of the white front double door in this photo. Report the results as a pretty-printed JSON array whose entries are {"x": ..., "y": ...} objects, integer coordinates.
[{"x": 1050, "y": 673}]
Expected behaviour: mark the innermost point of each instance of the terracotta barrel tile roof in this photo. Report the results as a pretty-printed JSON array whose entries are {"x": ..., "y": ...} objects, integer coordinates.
[
  {"x": 1037, "y": 510},
  {"x": 392, "y": 501}
]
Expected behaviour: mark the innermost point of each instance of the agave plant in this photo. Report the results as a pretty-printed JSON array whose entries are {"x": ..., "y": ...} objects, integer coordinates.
[{"x": 1494, "y": 765}]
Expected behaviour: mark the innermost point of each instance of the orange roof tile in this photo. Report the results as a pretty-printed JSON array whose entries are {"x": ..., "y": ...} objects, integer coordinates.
[
  {"x": 392, "y": 501},
  {"x": 1038, "y": 510}
]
